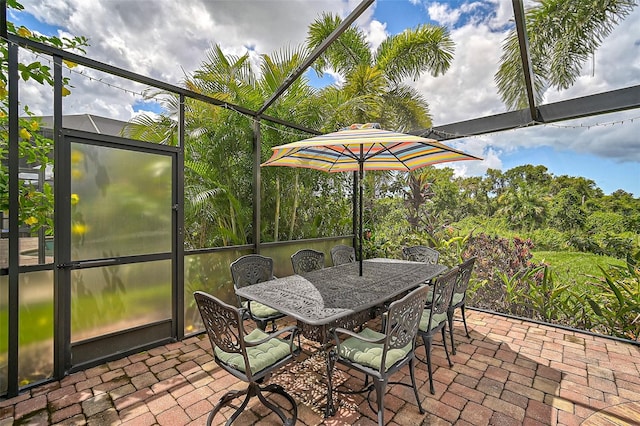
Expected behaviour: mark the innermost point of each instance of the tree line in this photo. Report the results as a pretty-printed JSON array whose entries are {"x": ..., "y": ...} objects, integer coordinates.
[{"x": 556, "y": 212}]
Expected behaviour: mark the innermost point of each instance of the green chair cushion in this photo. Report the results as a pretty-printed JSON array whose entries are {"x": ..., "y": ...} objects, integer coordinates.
[
  {"x": 437, "y": 319},
  {"x": 457, "y": 298},
  {"x": 260, "y": 357},
  {"x": 259, "y": 310},
  {"x": 370, "y": 354}
]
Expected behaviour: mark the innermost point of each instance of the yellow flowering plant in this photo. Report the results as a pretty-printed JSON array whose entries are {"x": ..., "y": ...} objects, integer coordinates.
[{"x": 36, "y": 202}]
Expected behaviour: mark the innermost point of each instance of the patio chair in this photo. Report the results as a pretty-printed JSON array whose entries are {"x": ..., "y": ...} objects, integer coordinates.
[
  {"x": 249, "y": 357},
  {"x": 380, "y": 355},
  {"x": 341, "y": 254},
  {"x": 434, "y": 316},
  {"x": 252, "y": 269},
  {"x": 421, "y": 254},
  {"x": 460, "y": 296},
  {"x": 307, "y": 260}
]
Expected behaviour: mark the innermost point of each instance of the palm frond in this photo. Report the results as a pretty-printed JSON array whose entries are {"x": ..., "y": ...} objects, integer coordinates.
[
  {"x": 563, "y": 35},
  {"x": 276, "y": 69},
  {"x": 510, "y": 76},
  {"x": 344, "y": 54},
  {"x": 160, "y": 129},
  {"x": 427, "y": 48},
  {"x": 406, "y": 109}
]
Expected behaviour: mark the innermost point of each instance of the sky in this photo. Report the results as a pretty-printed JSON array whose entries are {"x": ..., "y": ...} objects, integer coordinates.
[{"x": 168, "y": 40}]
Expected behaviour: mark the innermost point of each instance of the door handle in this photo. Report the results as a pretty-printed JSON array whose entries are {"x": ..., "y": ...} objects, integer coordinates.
[{"x": 86, "y": 264}]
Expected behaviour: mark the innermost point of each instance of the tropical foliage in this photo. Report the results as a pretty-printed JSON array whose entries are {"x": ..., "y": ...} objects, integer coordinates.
[
  {"x": 563, "y": 35},
  {"x": 615, "y": 299},
  {"x": 374, "y": 87},
  {"x": 554, "y": 212},
  {"x": 447, "y": 213},
  {"x": 219, "y": 147}
]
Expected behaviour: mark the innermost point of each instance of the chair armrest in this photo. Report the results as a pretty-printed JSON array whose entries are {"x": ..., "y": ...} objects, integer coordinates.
[{"x": 292, "y": 329}]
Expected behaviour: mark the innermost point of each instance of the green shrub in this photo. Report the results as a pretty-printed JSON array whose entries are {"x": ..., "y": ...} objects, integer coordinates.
[
  {"x": 616, "y": 245},
  {"x": 585, "y": 243},
  {"x": 487, "y": 225},
  {"x": 615, "y": 299},
  {"x": 451, "y": 245},
  {"x": 549, "y": 239},
  {"x": 602, "y": 221},
  {"x": 548, "y": 299}
]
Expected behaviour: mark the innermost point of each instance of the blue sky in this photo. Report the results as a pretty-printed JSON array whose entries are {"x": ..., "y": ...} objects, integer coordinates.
[{"x": 166, "y": 40}]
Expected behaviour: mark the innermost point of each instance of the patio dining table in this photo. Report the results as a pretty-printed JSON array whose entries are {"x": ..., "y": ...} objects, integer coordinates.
[{"x": 338, "y": 296}]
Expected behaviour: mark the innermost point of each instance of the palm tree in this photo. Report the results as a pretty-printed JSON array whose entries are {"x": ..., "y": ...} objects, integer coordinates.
[
  {"x": 522, "y": 207},
  {"x": 291, "y": 196},
  {"x": 373, "y": 89},
  {"x": 218, "y": 152},
  {"x": 562, "y": 36}
]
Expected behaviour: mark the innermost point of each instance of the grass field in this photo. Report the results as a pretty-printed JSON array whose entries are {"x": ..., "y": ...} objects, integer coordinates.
[{"x": 574, "y": 267}]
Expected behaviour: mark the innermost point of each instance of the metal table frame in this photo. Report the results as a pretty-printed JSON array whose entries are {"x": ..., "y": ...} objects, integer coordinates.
[{"x": 339, "y": 297}]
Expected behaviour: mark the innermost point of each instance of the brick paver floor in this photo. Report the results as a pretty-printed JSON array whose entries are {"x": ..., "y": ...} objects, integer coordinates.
[{"x": 509, "y": 372}]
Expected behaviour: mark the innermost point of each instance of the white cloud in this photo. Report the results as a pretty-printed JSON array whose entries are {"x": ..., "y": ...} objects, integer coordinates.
[
  {"x": 503, "y": 13},
  {"x": 467, "y": 90},
  {"x": 613, "y": 136},
  {"x": 165, "y": 39},
  {"x": 443, "y": 14},
  {"x": 479, "y": 146},
  {"x": 376, "y": 33}
]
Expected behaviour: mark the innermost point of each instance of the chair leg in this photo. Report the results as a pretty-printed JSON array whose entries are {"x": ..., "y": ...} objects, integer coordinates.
[
  {"x": 427, "y": 349},
  {"x": 380, "y": 386},
  {"x": 255, "y": 390},
  {"x": 412, "y": 372},
  {"x": 250, "y": 393},
  {"x": 226, "y": 400},
  {"x": 450, "y": 319},
  {"x": 444, "y": 343},
  {"x": 273, "y": 388},
  {"x": 464, "y": 320}
]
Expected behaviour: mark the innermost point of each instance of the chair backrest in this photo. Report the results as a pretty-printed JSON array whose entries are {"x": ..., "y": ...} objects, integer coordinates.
[
  {"x": 403, "y": 318},
  {"x": 222, "y": 322},
  {"x": 421, "y": 254},
  {"x": 464, "y": 274},
  {"x": 251, "y": 269},
  {"x": 341, "y": 254},
  {"x": 307, "y": 260},
  {"x": 442, "y": 292}
]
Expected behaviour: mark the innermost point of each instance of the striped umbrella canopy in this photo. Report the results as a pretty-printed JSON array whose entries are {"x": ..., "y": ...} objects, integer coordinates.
[
  {"x": 364, "y": 147},
  {"x": 361, "y": 147}
]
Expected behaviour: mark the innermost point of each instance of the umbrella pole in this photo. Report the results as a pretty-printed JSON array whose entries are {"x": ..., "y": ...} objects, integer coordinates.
[{"x": 360, "y": 183}]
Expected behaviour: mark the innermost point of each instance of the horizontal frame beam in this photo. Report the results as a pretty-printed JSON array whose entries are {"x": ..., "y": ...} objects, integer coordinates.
[
  {"x": 602, "y": 103},
  {"x": 119, "y": 72}
]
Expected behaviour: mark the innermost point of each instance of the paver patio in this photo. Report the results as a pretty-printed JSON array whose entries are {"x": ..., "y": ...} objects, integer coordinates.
[{"x": 510, "y": 372}]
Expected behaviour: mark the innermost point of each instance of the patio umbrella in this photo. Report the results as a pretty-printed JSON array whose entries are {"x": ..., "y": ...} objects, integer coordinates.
[{"x": 361, "y": 147}]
